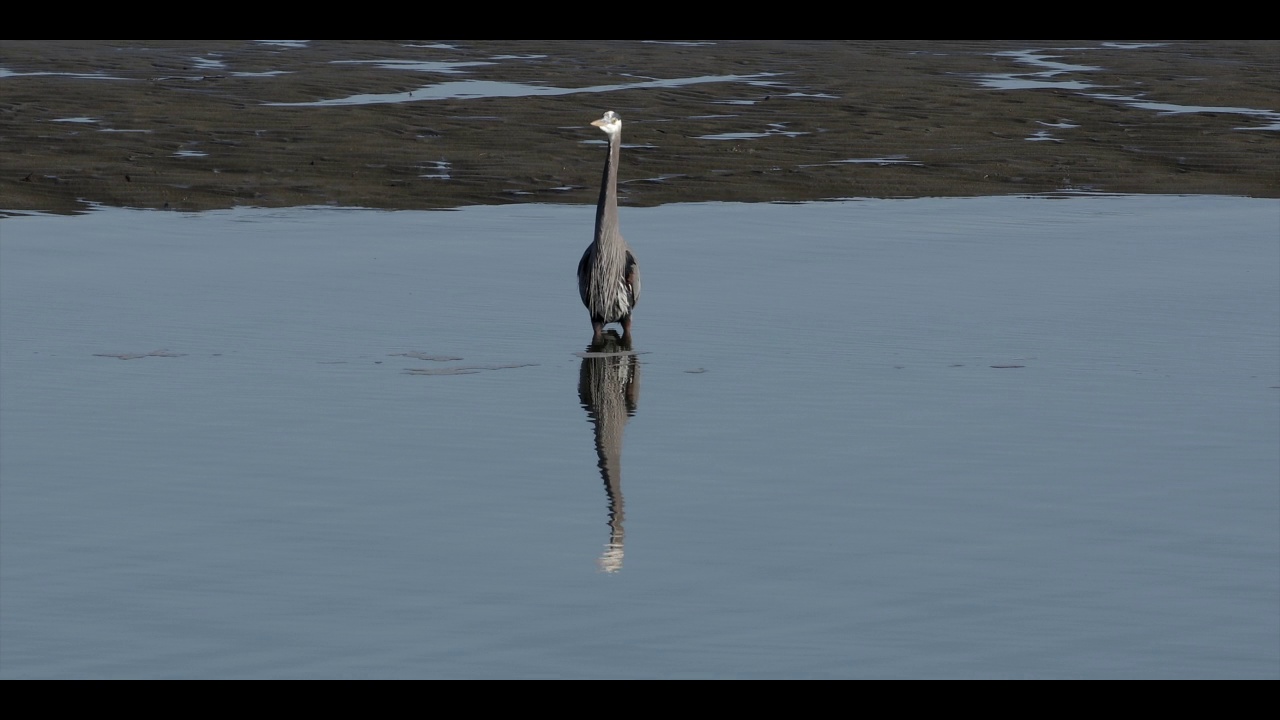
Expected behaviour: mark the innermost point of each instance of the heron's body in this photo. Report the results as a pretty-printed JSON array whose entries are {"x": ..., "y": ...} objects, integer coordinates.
[{"x": 608, "y": 276}]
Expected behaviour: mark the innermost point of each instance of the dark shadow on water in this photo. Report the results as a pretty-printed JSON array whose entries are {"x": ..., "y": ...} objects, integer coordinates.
[{"x": 609, "y": 388}]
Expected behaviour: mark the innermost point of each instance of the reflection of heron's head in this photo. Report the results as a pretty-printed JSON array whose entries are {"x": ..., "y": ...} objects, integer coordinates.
[{"x": 611, "y": 560}]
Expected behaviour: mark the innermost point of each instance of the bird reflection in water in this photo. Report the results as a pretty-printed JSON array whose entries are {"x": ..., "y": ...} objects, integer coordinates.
[{"x": 609, "y": 388}]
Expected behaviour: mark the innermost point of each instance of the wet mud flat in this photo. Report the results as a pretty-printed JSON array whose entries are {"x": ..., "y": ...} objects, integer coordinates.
[{"x": 197, "y": 125}]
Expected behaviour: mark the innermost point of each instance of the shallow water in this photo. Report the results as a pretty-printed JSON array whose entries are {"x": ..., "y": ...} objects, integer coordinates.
[{"x": 991, "y": 437}]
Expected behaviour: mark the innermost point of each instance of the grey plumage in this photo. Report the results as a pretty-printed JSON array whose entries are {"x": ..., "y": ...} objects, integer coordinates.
[{"x": 608, "y": 275}]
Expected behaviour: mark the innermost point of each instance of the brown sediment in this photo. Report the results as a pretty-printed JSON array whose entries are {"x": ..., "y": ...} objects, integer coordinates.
[{"x": 837, "y": 119}]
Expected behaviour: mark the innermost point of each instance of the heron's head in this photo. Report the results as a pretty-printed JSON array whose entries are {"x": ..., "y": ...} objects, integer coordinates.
[{"x": 610, "y": 123}]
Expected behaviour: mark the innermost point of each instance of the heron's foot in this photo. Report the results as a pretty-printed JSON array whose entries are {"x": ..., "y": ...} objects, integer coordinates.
[{"x": 609, "y": 342}]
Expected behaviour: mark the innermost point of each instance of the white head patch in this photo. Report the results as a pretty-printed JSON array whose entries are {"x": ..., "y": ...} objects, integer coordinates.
[{"x": 610, "y": 123}]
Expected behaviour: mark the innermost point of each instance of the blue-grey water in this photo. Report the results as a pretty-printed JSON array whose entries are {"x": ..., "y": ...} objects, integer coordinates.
[{"x": 959, "y": 438}]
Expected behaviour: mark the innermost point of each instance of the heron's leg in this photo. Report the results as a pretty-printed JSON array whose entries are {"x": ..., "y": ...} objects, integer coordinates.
[
  {"x": 626, "y": 326},
  {"x": 597, "y": 334}
]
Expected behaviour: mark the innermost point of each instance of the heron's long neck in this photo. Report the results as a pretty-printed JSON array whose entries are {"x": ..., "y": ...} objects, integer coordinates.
[{"x": 607, "y": 207}]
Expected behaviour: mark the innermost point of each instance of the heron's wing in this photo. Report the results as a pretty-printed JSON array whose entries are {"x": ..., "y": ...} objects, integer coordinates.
[
  {"x": 632, "y": 276},
  {"x": 584, "y": 275}
]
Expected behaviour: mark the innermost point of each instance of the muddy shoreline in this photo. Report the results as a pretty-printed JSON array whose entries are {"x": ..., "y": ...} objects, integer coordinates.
[{"x": 198, "y": 125}]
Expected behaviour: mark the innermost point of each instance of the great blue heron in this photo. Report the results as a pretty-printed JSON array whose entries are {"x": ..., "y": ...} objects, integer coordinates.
[{"x": 608, "y": 276}]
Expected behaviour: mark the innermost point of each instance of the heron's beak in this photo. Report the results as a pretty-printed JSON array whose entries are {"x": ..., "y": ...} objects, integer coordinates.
[{"x": 598, "y": 123}]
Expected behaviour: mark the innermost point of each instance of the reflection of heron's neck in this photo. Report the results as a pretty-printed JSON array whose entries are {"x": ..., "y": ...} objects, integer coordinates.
[
  {"x": 610, "y": 418},
  {"x": 610, "y": 411},
  {"x": 611, "y": 559}
]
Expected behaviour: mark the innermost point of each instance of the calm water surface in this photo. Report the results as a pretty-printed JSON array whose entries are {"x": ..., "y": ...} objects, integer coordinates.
[{"x": 993, "y": 438}]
